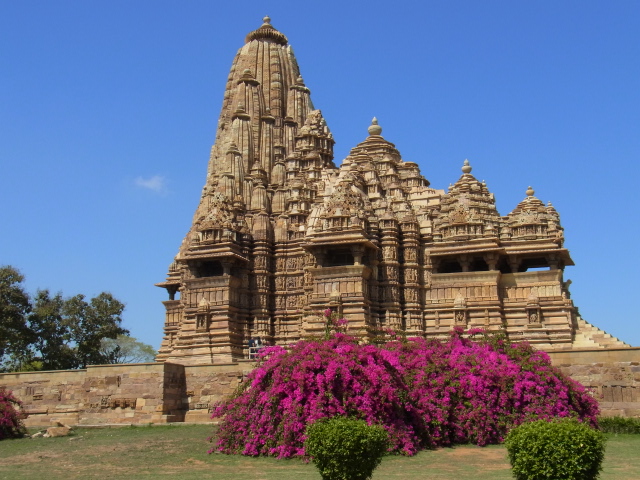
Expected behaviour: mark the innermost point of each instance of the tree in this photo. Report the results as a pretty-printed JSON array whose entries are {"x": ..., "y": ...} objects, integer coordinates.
[
  {"x": 51, "y": 335},
  {"x": 52, "y": 332},
  {"x": 126, "y": 349},
  {"x": 90, "y": 323},
  {"x": 14, "y": 305}
]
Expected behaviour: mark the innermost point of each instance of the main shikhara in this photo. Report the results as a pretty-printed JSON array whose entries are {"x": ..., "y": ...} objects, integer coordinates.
[{"x": 281, "y": 234}]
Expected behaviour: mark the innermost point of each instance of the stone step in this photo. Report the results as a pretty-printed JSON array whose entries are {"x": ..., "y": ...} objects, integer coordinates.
[{"x": 588, "y": 335}]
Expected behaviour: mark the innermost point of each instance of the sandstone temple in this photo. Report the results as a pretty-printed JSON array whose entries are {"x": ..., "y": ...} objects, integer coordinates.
[{"x": 282, "y": 233}]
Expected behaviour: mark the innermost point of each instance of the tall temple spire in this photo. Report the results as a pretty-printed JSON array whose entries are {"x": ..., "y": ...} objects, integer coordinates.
[{"x": 265, "y": 103}]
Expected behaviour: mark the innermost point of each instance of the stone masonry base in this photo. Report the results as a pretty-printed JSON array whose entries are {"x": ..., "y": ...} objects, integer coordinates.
[{"x": 164, "y": 392}]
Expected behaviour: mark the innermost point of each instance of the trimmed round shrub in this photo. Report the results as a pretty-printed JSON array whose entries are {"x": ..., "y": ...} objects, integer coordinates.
[
  {"x": 425, "y": 393},
  {"x": 11, "y": 425},
  {"x": 564, "y": 448},
  {"x": 345, "y": 448},
  {"x": 617, "y": 424}
]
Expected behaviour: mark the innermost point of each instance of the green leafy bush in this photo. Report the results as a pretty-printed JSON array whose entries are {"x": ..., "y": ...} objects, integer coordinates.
[
  {"x": 619, "y": 425},
  {"x": 345, "y": 448},
  {"x": 561, "y": 449}
]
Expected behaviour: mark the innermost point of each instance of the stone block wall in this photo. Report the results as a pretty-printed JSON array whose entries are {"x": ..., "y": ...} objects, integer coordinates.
[
  {"x": 102, "y": 394},
  {"x": 165, "y": 392},
  {"x": 48, "y": 396},
  {"x": 133, "y": 393},
  {"x": 208, "y": 384},
  {"x": 613, "y": 375}
]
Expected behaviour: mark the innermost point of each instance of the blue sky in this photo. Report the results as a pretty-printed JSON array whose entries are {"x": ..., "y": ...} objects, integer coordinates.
[{"x": 109, "y": 108}]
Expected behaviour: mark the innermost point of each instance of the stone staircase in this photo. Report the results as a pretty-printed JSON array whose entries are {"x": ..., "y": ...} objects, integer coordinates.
[{"x": 590, "y": 336}]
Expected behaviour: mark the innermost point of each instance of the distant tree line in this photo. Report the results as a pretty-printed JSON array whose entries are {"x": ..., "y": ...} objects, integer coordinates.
[{"x": 51, "y": 332}]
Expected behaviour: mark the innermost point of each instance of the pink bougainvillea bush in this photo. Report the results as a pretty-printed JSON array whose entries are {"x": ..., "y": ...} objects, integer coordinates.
[
  {"x": 475, "y": 387},
  {"x": 314, "y": 379},
  {"x": 10, "y": 417},
  {"x": 425, "y": 393}
]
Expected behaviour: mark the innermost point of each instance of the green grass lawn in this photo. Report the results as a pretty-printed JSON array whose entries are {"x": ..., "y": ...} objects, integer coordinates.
[{"x": 181, "y": 452}]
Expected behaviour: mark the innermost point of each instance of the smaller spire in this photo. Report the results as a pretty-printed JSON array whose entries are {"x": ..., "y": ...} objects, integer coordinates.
[
  {"x": 374, "y": 128},
  {"x": 247, "y": 77},
  {"x": 466, "y": 168},
  {"x": 530, "y": 191},
  {"x": 233, "y": 148},
  {"x": 551, "y": 209}
]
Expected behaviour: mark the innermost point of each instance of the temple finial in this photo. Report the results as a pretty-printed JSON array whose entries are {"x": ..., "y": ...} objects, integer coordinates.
[
  {"x": 267, "y": 32},
  {"x": 530, "y": 191},
  {"x": 374, "y": 128},
  {"x": 466, "y": 168}
]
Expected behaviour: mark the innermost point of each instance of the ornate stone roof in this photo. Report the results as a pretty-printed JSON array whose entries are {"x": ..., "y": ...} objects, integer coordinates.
[
  {"x": 467, "y": 211},
  {"x": 531, "y": 219}
]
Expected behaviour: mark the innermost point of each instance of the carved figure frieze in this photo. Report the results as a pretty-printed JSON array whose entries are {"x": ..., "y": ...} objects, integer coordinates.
[
  {"x": 460, "y": 317},
  {"x": 122, "y": 403},
  {"x": 411, "y": 295},
  {"x": 261, "y": 301},
  {"x": 389, "y": 253},
  {"x": 533, "y": 316},
  {"x": 308, "y": 278},
  {"x": 293, "y": 263},
  {"x": 391, "y": 273},
  {"x": 260, "y": 263},
  {"x": 410, "y": 275},
  {"x": 262, "y": 281},
  {"x": 392, "y": 294}
]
